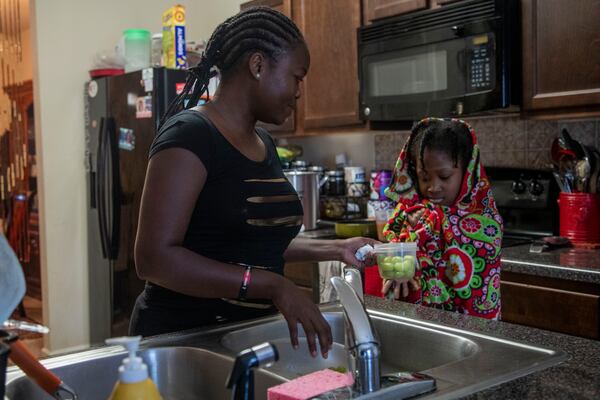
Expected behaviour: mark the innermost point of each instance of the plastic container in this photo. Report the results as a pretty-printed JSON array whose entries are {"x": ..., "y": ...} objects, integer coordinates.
[
  {"x": 382, "y": 216},
  {"x": 580, "y": 218},
  {"x": 133, "y": 383},
  {"x": 156, "y": 50},
  {"x": 397, "y": 261},
  {"x": 137, "y": 44}
]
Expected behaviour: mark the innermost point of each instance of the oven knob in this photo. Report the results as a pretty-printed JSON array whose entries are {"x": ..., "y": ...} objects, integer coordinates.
[
  {"x": 535, "y": 187},
  {"x": 367, "y": 111},
  {"x": 518, "y": 186}
]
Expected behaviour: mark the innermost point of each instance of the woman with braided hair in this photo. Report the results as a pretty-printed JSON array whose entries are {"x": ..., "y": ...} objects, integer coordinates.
[{"x": 218, "y": 218}]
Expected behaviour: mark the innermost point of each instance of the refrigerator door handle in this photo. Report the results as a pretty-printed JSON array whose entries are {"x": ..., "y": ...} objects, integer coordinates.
[
  {"x": 115, "y": 190},
  {"x": 101, "y": 187},
  {"x": 93, "y": 172}
]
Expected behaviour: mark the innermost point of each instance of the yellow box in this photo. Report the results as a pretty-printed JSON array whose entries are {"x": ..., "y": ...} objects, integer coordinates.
[{"x": 173, "y": 22}]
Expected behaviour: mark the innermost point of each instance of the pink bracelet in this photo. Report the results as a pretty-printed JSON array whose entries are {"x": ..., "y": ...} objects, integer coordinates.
[{"x": 245, "y": 283}]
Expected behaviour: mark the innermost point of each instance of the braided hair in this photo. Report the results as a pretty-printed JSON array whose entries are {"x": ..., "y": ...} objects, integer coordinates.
[
  {"x": 257, "y": 29},
  {"x": 449, "y": 136}
]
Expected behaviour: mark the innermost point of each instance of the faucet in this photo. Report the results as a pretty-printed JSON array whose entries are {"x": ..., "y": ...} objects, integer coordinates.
[{"x": 360, "y": 335}]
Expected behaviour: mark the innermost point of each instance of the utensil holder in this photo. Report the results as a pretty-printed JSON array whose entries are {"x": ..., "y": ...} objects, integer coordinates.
[{"x": 580, "y": 218}]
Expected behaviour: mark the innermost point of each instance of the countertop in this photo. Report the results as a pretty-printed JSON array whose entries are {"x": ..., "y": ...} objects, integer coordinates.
[
  {"x": 578, "y": 377},
  {"x": 570, "y": 263}
]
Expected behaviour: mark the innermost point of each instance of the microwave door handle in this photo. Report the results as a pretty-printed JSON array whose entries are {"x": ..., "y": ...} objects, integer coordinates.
[{"x": 460, "y": 60}]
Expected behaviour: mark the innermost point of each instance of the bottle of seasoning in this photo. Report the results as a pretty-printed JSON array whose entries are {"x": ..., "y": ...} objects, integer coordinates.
[{"x": 335, "y": 185}]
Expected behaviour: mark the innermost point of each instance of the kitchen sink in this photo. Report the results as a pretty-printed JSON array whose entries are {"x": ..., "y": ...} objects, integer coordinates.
[
  {"x": 405, "y": 347},
  {"x": 461, "y": 362},
  {"x": 180, "y": 373},
  {"x": 195, "y": 364}
]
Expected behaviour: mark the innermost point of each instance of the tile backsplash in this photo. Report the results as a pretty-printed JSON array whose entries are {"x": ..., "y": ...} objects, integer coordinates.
[{"x": 506, "y": 141}]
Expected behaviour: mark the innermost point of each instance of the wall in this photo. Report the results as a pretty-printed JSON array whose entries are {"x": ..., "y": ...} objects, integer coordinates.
[
  {"x": 321, "y": 150},
  {"x": 66, "y": 34},
  {"x": 504, "y": 141}
]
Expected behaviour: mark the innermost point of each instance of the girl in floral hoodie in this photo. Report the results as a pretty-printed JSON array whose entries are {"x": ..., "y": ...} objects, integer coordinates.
[{"x": 445, "y": 204}]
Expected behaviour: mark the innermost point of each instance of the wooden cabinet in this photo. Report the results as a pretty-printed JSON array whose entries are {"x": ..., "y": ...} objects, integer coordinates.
[
  {"x": 283, "y": 6},
  {"x": 330, "y": 90},
  {"x": 552, "y": 304},
  {"x": 439, "y": 3},
  {"x": 561, "y": 57},
  {"x": 377, "y": 9}
]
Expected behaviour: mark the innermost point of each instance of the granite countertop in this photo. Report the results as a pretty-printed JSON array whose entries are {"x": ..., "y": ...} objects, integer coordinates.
[
  {"x": 578, "y": 377},
  {"x": 571, "y": 263}
]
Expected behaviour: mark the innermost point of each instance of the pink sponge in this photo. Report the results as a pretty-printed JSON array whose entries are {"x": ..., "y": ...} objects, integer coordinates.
[{"x": 310, "y": 385}]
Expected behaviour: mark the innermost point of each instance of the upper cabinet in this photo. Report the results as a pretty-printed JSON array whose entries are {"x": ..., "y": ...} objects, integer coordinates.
[
  {"x": 283, "y": 6},
  {"x": 561, "y": 57},
  {"x": 377, "y": 9},
  {"x": 330, "y": 90}
]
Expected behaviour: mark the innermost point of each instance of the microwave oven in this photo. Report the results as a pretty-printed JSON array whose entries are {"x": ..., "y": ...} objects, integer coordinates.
[{"x": 460, "y": 59}]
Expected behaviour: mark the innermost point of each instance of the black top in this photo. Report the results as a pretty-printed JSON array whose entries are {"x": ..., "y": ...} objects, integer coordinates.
[{"x": 246, "y": 213}]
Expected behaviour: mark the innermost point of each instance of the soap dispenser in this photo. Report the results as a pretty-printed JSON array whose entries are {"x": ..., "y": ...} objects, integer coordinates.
[{"x": 133, "y": 383}]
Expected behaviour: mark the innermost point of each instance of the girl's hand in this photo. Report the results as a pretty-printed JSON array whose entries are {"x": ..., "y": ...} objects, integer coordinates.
[
  {"x": 415, "y": 216},
  {"x": 348, "y": 249},
  {"x": 400, "y": 289},
  {"x": 296, "y": 307}
]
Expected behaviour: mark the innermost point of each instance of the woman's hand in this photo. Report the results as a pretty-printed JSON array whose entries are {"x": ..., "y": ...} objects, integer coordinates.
[
  {"x": 348, "y": 249},
  {"x": 401, "y": 289},
  {"x": 296, "y": 307}
]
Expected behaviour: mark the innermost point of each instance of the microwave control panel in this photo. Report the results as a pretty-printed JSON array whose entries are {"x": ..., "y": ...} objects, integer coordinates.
[{"x": 481, "y": 63}]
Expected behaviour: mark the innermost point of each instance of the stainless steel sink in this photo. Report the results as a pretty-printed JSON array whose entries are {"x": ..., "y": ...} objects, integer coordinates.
[
  {"x": 405, "y": 347},
  {"x": 461, "y": 362},
  {"x": 180, "y": 373},
  {"x": 195, "y": 364}
]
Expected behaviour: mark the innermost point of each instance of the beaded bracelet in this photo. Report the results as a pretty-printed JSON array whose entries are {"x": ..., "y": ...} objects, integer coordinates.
[{"x": 245, "y": 282}]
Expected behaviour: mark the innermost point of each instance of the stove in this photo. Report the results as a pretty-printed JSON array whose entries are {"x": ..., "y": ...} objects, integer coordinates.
[{"x": 527, "y": 202}]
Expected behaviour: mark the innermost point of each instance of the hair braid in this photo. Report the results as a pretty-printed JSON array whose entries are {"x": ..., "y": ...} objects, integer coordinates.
[
  {"x": 449, "y": 136},
  {"x": 259, "y": 29}
]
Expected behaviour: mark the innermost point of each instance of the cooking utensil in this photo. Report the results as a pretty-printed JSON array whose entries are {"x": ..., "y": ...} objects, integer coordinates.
[
  {"x": 568, "y": 143},
  {"x": 50, "y": 383},
  {"x": 4, "y": 351},
  {"x": 354, "y": 228},
  {"x": 595, "y": 174},
  {"x": 307, "y": 184},
  {"x": 548, "y": 243},
  {"x": 582, "y": 172},
  {"x": 12, "y": 282},
  {"x": 10, "y": 324}
]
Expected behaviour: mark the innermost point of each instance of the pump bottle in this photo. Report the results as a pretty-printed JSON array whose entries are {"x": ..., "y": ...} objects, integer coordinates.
[{"x": 133, "y": 383}]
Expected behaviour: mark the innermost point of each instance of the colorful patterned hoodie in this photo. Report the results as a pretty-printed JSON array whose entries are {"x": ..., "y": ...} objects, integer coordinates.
[{"x": 459, "y": 245}]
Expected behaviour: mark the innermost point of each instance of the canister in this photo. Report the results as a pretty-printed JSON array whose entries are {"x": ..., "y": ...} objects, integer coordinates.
[{"x": 335, "y": 184}]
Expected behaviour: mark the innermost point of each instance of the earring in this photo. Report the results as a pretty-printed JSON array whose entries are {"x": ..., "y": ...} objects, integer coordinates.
[{"x": 257, "y": 76}]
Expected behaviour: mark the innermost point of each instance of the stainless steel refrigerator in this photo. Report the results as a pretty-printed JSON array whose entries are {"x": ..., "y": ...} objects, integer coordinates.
[{"x": 121, "y": 118}]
